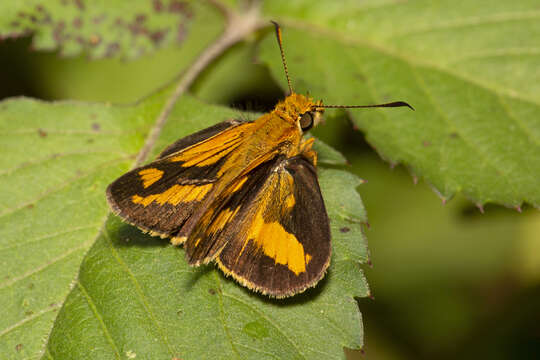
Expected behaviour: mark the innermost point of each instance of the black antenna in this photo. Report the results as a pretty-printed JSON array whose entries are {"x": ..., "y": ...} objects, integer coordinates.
[
  {"x": 391, "y": 104},
  {"x": 278, "y": 35}
]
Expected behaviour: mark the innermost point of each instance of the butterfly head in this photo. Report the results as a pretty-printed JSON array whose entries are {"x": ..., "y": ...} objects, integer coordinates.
[{"x": 301, "y": 110}]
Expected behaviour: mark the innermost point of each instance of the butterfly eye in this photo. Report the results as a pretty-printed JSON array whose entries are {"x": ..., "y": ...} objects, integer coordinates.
[{"x": 306, "y": 121}]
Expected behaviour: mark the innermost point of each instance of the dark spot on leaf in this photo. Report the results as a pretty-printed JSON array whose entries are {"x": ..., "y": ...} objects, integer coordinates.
[
  {"x": 344, "y": 229},
  {"x": 14, "y": 24},
  {"x": 18, "y": 347},
  {"x": 181, "y": 32},
  {"x": 58, "y": 31},
  {"x": 112, "y": 49},
  {"x": 42, "y": 133},
  {"x": 157, "y": 36},
  {"x": 31, "y": 285},
  {"x": 454, "y": 135},
  {"x": 90, "y": 141},
  {"x": 33, "y": 18},
  {"x": 370, "y": 264},
  {"x": 30, "y": 206},
  {"x": 40, "y": 8},
  {"x": 29, "y": 312},
  {"x": 118, "y": 22},
  {"x": 98, "y": 19},
  {"x": 80, "y": 40},
  {"x": 179, "y": 313},
  {"x": 79, "y": 4},
  {"x": 52, "y": 304},
  {"x": 96, "y": 126},
  {"x": 158, "y": 5},
  {"x": 137, "y": 29},
  {"x": 360, "y": 77},
  {"x": 21, "y": 14},
  {"x": 140, "y": 18},
  {"x": 212, "y": 291},
  {"x": 176, "y": 6},
  {"x": 77, "y": 22},
  {"x": 426, "y": 143},
  {"x": 46, "y": 19}
]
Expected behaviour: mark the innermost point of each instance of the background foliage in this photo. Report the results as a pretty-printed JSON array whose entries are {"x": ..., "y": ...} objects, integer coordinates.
[{"x": 448, "y": 281}]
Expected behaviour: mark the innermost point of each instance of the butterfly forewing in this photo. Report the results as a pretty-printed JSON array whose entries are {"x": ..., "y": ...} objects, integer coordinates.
[{"x": 161, "y": 196}]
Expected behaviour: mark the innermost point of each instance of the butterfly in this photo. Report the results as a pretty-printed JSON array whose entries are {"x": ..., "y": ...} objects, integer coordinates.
[{"x": 243, "y": 194}]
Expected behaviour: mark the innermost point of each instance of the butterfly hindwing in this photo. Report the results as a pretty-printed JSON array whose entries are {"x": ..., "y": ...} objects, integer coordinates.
[
  {"x": 161, "y": 196},
  {"x": 273, "y": 233}
]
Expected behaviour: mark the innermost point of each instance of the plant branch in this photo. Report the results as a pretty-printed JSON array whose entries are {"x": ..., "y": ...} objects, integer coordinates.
[{"x": 238, "y": 26}]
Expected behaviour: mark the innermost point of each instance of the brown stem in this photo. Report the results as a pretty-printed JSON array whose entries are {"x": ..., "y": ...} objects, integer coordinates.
[{"x": 238, "y": 25}]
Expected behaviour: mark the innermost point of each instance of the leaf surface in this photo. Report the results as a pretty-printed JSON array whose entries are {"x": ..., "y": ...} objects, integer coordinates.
[
  {"x": 470, "y": 69},
  {"x": 119, "y": 28}
]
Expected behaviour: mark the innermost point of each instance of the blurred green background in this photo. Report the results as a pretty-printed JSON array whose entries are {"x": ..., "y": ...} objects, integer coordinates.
[{"x": 448, "y": 281}]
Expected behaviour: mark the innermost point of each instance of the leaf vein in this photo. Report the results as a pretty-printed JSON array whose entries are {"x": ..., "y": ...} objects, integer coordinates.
[
  {"x": 99, "y": 319},
  {"x": 48, "y": 236},
  {"x": 42, "y": 267},
  {"x": 28, "y": 318},
  {"x": 27, "y": 164},
  {"x": 486, "y": 159},
  {"x": 56, "y": 189},
  {"x": 139, "y": 290}
]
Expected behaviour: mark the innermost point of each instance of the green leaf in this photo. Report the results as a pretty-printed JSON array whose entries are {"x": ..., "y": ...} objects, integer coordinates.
[
  {"x": 468, "y": 68},
  {"x": 118, "y": 28},
  {"x": 135, "y": 294},
  {"x": 57, "y": 160}
]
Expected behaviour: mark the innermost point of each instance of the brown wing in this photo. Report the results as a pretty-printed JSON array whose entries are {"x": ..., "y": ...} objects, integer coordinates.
[
  {"x": 273, "y": 234},
  {"x": 161, "y": 196}
]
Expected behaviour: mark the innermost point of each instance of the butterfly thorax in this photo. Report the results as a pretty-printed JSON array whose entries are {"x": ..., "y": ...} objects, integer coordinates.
[
  {"x": 273, "y": 134},
  {"x": 281, "y": 131}
]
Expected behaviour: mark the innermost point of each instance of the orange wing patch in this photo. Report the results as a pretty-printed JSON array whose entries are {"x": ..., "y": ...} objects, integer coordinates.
[
  {"x": 278, "y": 244},
  {"x": 150, "y": 176},
  {"x": 207, "y": 153},
  {"x": 174, "y": 195}
]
